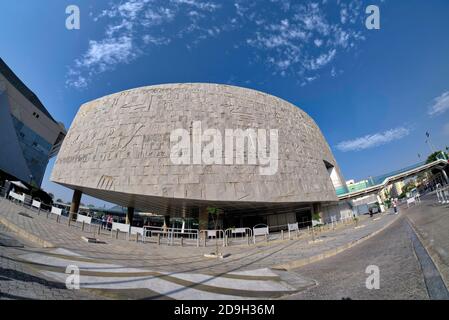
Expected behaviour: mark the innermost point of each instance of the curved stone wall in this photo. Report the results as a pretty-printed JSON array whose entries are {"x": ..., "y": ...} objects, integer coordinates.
[{"x": 118, "y": 148}]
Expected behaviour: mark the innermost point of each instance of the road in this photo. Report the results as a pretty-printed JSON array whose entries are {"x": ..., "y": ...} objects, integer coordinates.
[{"x": 406, "y": 270}]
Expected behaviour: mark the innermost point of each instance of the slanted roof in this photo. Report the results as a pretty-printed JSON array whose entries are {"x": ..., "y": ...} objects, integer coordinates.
[{"x": 23, "y": 89}]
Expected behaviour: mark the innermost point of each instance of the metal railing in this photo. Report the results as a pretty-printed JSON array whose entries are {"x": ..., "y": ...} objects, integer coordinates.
[
  {"x": 217, "y": 235},
  {"x": 170, "y": 235},
  {"x": 442, "y": 193},
  {"x": 184, "y": 236},
  {"x": 238, "y": 235}
]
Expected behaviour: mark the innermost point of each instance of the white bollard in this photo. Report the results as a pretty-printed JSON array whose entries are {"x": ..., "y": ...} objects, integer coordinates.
[{"x": 445, "y": 197}]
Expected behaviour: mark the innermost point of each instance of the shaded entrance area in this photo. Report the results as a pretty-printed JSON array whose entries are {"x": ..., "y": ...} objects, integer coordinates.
[{"x": 195, "y": 213}]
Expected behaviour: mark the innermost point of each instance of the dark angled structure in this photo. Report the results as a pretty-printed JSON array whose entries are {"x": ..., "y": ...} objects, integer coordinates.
[{"x": 29, "y": 136}]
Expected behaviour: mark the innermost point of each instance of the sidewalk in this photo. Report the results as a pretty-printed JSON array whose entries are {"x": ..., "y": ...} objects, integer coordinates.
[
  {"x": 122, "y": 269},
  {"x": 279, "y": 254}
]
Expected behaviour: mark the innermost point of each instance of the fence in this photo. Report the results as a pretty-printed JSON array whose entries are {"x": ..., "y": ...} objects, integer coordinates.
[
  {"x": 260, "y": 230},
  {"x": 238, "y": 235},
  {"x": 442, "y": 194},
  {"x": 170, "y": 235},
  {"x": 191, "y": 237},
  {"x": 217, "y": 235}
]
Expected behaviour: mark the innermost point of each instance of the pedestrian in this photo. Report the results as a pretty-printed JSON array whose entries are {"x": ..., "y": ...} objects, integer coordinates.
[
  {"x": 110, "y": 222},
  {"x": 371, "y": 212},
  {"x": 395, "y": 206},
  {"x": 103, "y": 222}
]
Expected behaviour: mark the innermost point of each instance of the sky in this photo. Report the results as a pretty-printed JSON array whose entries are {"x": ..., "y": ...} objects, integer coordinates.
[{"x": 373, "y": 93}]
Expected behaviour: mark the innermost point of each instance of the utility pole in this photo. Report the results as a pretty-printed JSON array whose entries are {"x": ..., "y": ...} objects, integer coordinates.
[{"x": 429, "y": 142}]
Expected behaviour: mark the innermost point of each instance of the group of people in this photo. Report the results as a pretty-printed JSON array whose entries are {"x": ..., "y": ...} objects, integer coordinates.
[{"x": 106, "y": 221}]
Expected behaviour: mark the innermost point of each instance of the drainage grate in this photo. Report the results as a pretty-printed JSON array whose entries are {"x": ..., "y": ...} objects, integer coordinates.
[{"x": 25, "y": 215}]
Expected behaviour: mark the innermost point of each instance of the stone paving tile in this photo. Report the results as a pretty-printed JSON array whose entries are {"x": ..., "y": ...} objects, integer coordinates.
[
  {"x": 20, "y": 282},
  {"x": 433, "y": 228},
  {"x": 183, "y": 259}
]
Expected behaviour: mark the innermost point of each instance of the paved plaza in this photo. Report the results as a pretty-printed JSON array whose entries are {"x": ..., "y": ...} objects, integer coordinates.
[{"x": 331, "y": 267}]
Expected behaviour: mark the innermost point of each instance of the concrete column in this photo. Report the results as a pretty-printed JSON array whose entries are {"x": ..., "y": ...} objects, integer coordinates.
[
  {"x": 130, "y": 216},
  {"x": 167, "y": 221},
  {"x": 445, "y": 176},
  {"x": 74, "y": 207},
  {"x": 379, "y": 200},
  {"x": 203, "y": 218},
  {"x": 167, "y": 218}
]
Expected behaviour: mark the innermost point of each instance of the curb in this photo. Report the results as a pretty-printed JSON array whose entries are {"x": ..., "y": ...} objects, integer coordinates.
[
  {"x": 25, "y": 234},
  {"x": 430, "y": 251},
  {"x": 330, "y": 253}
]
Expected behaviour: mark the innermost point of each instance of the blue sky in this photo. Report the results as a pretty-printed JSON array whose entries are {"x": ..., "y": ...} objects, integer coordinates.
[{"x": 374, "y": 93}]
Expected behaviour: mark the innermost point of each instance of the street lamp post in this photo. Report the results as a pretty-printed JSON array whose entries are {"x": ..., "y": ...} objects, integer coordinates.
[{"x": 429, "y": 142}]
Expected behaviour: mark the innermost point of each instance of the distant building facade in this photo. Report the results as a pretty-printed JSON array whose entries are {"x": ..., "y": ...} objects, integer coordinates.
[{"x": 29, "y": 136}]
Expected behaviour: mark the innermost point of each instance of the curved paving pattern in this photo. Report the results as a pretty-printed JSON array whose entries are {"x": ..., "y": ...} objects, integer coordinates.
[{"x": 123, "y": 269}]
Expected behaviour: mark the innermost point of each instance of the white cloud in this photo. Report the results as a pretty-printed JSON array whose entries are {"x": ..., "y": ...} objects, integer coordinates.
[
  {"x": 373, "y": 140},
  {"x": 158, "y": 16},
  {"x": 307, "y": 38},
  {"x": 294, "y": 39},
  {"x": 107, "y": 52},
  {"x": 321, "y": 61},
  {"x": 202, "y": 5},
  {"x": 134, "y": 25},
  {"x": 155, "y": 40},
  {"x": 440, "y": 104},
  {"x": 318, "y": 42},
  {"x": 101, "y": 56},
  {"x": 343, "y": 15}
]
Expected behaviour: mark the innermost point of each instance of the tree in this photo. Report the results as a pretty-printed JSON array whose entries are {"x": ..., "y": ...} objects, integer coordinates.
[
  {"x": 409, "y": 186},
  {"x": 316, "y": 216},
  {"x": 437, "y": 155}
]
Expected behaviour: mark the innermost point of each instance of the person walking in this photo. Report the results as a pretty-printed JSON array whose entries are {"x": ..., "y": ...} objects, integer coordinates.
[
  {"x": 110, "y": 220},
  {"x": 395, "y": 206}
]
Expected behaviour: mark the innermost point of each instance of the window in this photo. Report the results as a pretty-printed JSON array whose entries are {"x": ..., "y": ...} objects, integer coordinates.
[{"x": 333, "y": 174}]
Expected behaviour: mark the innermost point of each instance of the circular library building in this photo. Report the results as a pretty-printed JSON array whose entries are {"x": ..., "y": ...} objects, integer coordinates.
[{"x": 178, "y": 150}]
